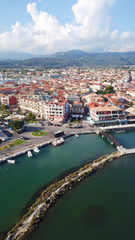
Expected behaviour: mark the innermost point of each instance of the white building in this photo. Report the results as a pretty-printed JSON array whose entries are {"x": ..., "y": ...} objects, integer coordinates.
[{"x": 57, "y": 111}]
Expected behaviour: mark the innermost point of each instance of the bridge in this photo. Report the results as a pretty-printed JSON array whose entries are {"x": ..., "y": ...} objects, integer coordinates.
[{"x": 112, "y": 139}]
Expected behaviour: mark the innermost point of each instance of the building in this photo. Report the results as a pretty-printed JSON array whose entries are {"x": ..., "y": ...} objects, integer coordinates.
[
  {"x": 57, "y": 111},
  {"x": 9, "y": 101},
  {"x": 31, "y": 105},
  {"x": 77, "y": 110},
  {"x": 107, "y": 115}
]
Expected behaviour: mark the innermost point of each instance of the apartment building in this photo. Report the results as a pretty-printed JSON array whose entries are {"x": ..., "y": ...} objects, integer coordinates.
[
  {"x": 107, "y": 115},
  {"x": 29, "y": 105},
  {"x": 9, "y": 101},
  {"x": 57, "y": 111},
  {"x": 77, "y": 110}
]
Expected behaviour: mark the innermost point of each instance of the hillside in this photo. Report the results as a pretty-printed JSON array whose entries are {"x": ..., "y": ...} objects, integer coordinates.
[{"x": 74, "y": 58}]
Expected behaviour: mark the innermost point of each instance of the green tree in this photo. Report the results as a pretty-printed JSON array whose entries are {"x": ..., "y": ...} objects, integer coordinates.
[
  {"x": 130, "y": 104},
  {"x": 16, "y": 125},
  {"x": 30, "y": 116},
  {"x": 109, "y": 89},
  {"x": 3, "y": 108}
]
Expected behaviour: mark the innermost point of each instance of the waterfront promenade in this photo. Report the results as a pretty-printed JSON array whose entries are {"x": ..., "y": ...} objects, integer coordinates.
[
  {"x": 118, "y": 128},
  {"x": 31, "y": 141},
  {"x": 39, "y": 142}
]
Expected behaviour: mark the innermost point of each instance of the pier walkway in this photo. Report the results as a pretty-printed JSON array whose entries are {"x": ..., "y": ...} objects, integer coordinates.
[
  {"x": 125, "y": 151},
  {"x": 112, "y": 139}
]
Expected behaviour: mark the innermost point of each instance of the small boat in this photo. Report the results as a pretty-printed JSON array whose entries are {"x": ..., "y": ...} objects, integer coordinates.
[
  {"x": 36, "y": 150},
  {"x": 77, "y": 135},
  {"x": 11, "y": 161},
  {"x": 58, "y": 141},
  {"x": 29, "y": 154}
]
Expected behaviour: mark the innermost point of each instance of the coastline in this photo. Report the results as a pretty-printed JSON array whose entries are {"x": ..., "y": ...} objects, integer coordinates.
[
  {"x": 44, "y": 143},
  {"x": 52, "y": 193}
]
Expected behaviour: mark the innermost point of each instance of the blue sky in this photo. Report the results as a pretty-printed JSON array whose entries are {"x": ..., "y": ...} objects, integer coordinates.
[{"x": 48, "y": 26}]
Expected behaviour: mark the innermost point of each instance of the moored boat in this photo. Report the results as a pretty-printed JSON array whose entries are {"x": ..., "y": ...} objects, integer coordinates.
[
  {"x": 11, "y": 161},
  {"x": 35, "y": 149},
  {"x": 29, "y": 154},
  {"x": 58, "y": 141}
]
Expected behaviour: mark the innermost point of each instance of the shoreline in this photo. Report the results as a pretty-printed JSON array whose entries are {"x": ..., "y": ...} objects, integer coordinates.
[
  {"x": 43, "y": 144},
  {"x": 52, "y": 193}
]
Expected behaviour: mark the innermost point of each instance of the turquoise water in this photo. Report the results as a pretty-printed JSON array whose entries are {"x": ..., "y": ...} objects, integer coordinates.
[
  {"x": 126, "y": 139},
  {"x": 19, "y": 182},
  {"x": 100, "y": 208}
]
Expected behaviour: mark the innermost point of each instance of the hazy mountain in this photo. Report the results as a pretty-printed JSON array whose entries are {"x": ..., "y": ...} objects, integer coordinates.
[
  {"x": 67, "y": 59},
  {"x": 17, "y": 56},
  {"x": 72, "y": 54}
]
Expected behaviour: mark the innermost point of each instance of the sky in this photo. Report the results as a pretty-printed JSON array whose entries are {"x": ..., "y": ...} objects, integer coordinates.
[{"x": 49, "y": 26}]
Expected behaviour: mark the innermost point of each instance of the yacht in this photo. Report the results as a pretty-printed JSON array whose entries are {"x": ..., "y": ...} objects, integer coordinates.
[
  {"x": 35, "y": 149},
  {"x": 11, "y": 161},
  {"x": 29, "y": 154}
]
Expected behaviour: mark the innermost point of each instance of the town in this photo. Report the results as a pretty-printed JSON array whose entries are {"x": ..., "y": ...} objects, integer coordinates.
[{"x": 102, "y": 96}]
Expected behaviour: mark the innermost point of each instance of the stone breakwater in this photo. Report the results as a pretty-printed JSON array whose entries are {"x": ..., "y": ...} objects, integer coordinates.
[{"x": 51, "y": 194}]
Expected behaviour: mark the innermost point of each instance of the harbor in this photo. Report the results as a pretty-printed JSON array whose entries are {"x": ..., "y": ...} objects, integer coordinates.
[
  {"x": 43, "y": 142},
  {"x": 103, "y": 131}
]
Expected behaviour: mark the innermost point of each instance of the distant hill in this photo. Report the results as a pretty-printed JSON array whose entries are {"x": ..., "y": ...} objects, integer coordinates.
[
  {"x": 66, "y": 59},
  {"x": 15, "y": 56},
  {"x": 72, "y": 54}
]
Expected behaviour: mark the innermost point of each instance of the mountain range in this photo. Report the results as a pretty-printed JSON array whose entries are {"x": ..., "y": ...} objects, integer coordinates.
[{"x": 66, "y": 59}]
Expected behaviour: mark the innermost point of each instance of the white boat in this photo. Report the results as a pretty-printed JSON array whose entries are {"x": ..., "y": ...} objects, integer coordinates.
[
  {"x": 36, "y": 150},
  {"x": 77, "y": 135},
  {"x": 58, "y": 141},
  {"x": 29, "y": 154},
  {"x": 11, "y": 161}
]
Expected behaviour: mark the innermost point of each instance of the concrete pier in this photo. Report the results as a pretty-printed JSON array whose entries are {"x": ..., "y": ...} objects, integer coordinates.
[{"x": 126, "y": 151}]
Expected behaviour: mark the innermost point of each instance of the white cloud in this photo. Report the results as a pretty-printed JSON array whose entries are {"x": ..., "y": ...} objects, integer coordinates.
[{"x": 90, "y": 31}]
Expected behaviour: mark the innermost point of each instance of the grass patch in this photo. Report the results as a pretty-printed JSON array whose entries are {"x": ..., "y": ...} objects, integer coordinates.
[
  {"x": 31, "y": 121},
  {"x": 39, "y": 133},
  {"x": 12, "y": 144}
]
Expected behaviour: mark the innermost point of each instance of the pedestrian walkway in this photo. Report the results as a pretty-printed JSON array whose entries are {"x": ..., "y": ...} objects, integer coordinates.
[{"x": 125, "y": 151}]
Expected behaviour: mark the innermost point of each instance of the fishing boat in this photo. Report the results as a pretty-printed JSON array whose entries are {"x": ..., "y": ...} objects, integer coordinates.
[
  {"x": 77, "y": 135},
  {"x": 35, "y": 149},
  {"x": 29, "y": 154},
  {"x": 11, "y": 161}
]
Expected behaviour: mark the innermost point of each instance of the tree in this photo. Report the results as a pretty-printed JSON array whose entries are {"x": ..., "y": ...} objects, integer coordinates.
[
  {"x": 109, "y": 89},
  {"x": 3, "y": 108},
  {"x": 16, "y": 125},
  {"x": 30, "y": 116},
  {"x": 130, "y": 104}
]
